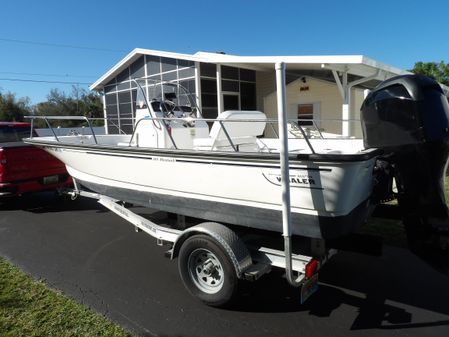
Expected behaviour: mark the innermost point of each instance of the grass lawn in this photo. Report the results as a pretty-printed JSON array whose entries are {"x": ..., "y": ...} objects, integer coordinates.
[{"x": 28, "y": 308}]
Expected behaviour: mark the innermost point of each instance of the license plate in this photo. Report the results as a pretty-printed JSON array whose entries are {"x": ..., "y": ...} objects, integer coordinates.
[
  {"x": 309, "y": 287},
  {"x": 50, "y": 180}
]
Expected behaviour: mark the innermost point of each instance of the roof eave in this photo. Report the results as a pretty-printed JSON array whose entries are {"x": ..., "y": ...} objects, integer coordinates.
[
  {"x": 98, "y": 85},
  {"x": 134, "y": 54},
  {"x": 334, "y": 62}
]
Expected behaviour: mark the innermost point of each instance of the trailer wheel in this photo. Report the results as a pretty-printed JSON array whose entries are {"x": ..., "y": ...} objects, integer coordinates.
[{"x": 206, "y": 271}]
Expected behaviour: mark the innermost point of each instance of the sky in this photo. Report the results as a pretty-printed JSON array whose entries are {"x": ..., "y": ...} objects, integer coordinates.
[{"x": 50, "y": 44}]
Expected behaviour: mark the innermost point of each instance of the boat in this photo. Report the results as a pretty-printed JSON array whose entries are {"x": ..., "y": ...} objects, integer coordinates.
[
  {"x": 230, "y": 174},
  {"x": 243, "y": 170}
]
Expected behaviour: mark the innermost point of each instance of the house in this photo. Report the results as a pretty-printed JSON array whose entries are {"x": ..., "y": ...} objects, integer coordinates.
[{"x": 328, "y": 89}]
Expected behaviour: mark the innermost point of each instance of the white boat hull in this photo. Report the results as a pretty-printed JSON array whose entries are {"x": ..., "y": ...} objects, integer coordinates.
[{"x": 329, "y": 198}]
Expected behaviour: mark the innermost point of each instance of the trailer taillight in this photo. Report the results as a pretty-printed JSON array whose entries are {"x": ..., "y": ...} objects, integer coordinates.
[{"x": 311, "y": 268}]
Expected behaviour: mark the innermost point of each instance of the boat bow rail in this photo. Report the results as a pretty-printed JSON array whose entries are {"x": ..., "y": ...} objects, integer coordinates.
[
  {"x": 231, "y": 134},
  {"x": 47, "y": 119}
]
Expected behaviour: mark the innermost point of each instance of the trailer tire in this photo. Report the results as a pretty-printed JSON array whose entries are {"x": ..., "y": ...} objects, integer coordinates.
[{"x": 206, "y": 271}]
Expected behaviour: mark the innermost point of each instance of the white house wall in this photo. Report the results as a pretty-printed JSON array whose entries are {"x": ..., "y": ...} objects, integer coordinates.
[
  {"x": 324, "y": 95},
  {"x": 357, "y": 97},
  {"x": 265, "y": 85}
]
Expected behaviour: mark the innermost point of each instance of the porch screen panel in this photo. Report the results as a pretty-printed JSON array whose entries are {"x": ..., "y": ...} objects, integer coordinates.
[{"x": 120, "y": 92}]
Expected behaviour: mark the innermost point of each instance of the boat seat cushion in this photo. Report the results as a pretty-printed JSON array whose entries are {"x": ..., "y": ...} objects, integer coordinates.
[
  {"x": 252, "y": 124},
  {"x": 242, "y": 127}
]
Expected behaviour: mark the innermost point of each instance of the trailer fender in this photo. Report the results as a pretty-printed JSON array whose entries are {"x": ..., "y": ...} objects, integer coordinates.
[{"x": 225, "y": 237}]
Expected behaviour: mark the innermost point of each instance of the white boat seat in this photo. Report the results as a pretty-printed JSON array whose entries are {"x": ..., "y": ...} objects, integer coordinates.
[{"x": 242, "y": 133}]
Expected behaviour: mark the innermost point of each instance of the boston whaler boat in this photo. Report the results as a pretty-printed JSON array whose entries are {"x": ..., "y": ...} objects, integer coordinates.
[{"x": 247, "y": 183}]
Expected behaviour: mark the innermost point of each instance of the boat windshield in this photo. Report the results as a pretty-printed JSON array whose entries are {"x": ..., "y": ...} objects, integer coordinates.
[{"x": 154, "y": 93}]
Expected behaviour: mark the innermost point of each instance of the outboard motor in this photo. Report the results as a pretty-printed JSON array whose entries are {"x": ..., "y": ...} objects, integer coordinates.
[{"x": 408, "y": 117}]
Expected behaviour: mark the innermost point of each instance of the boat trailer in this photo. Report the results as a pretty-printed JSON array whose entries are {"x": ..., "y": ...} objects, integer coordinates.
[{"x": 212, "y": 258}]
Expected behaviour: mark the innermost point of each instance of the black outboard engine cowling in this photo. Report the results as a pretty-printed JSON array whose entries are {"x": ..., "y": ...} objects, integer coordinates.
[{"x": 408, "y": 117}]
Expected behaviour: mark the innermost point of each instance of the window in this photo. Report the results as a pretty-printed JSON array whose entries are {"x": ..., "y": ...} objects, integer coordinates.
[
  {"x": 13, "y": 134},
  {"x": 138, "y": 68},
  {"x": 248, "y": 95},
  {"x": 168, "y": 64},
  {"x": 247, "y": 75},
  {"x": 305, "y": 114},
  {"x": 153, "y": 65},
  {"x": 231, "y": 102},
  {"x": 208, "y": 70},
  {"x": 229, "y": 73},
  {"x": 209, "y": 98},
  {"x": 232, "y": 86}
]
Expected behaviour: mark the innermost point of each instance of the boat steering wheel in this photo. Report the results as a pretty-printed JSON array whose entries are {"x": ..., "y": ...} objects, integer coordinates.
[{"x": 167, "y": 107}]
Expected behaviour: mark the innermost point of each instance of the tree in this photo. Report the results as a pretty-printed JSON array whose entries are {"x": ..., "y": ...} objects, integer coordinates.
[
  {"x": 437, "y": 71},
  {"x": 78, "y": 103},
  {"x": 13, "y": 109}
]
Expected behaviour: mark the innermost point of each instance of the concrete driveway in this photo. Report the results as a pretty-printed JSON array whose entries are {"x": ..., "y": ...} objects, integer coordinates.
[{"x": 98, "y": 259}]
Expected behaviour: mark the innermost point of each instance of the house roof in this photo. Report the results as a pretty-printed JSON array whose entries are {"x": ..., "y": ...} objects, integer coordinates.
[{"x": 358, "y": 66}]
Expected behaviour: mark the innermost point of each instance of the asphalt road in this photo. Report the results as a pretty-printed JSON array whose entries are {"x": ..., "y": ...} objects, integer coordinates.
[{"x": 97, "y": 258}]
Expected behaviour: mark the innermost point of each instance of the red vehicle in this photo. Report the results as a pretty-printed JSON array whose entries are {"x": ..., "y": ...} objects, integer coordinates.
[{"x": 25, "y": 168}]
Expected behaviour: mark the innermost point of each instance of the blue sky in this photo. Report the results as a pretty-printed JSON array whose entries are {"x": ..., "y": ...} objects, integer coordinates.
[{"x": 33, "y": 33}]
